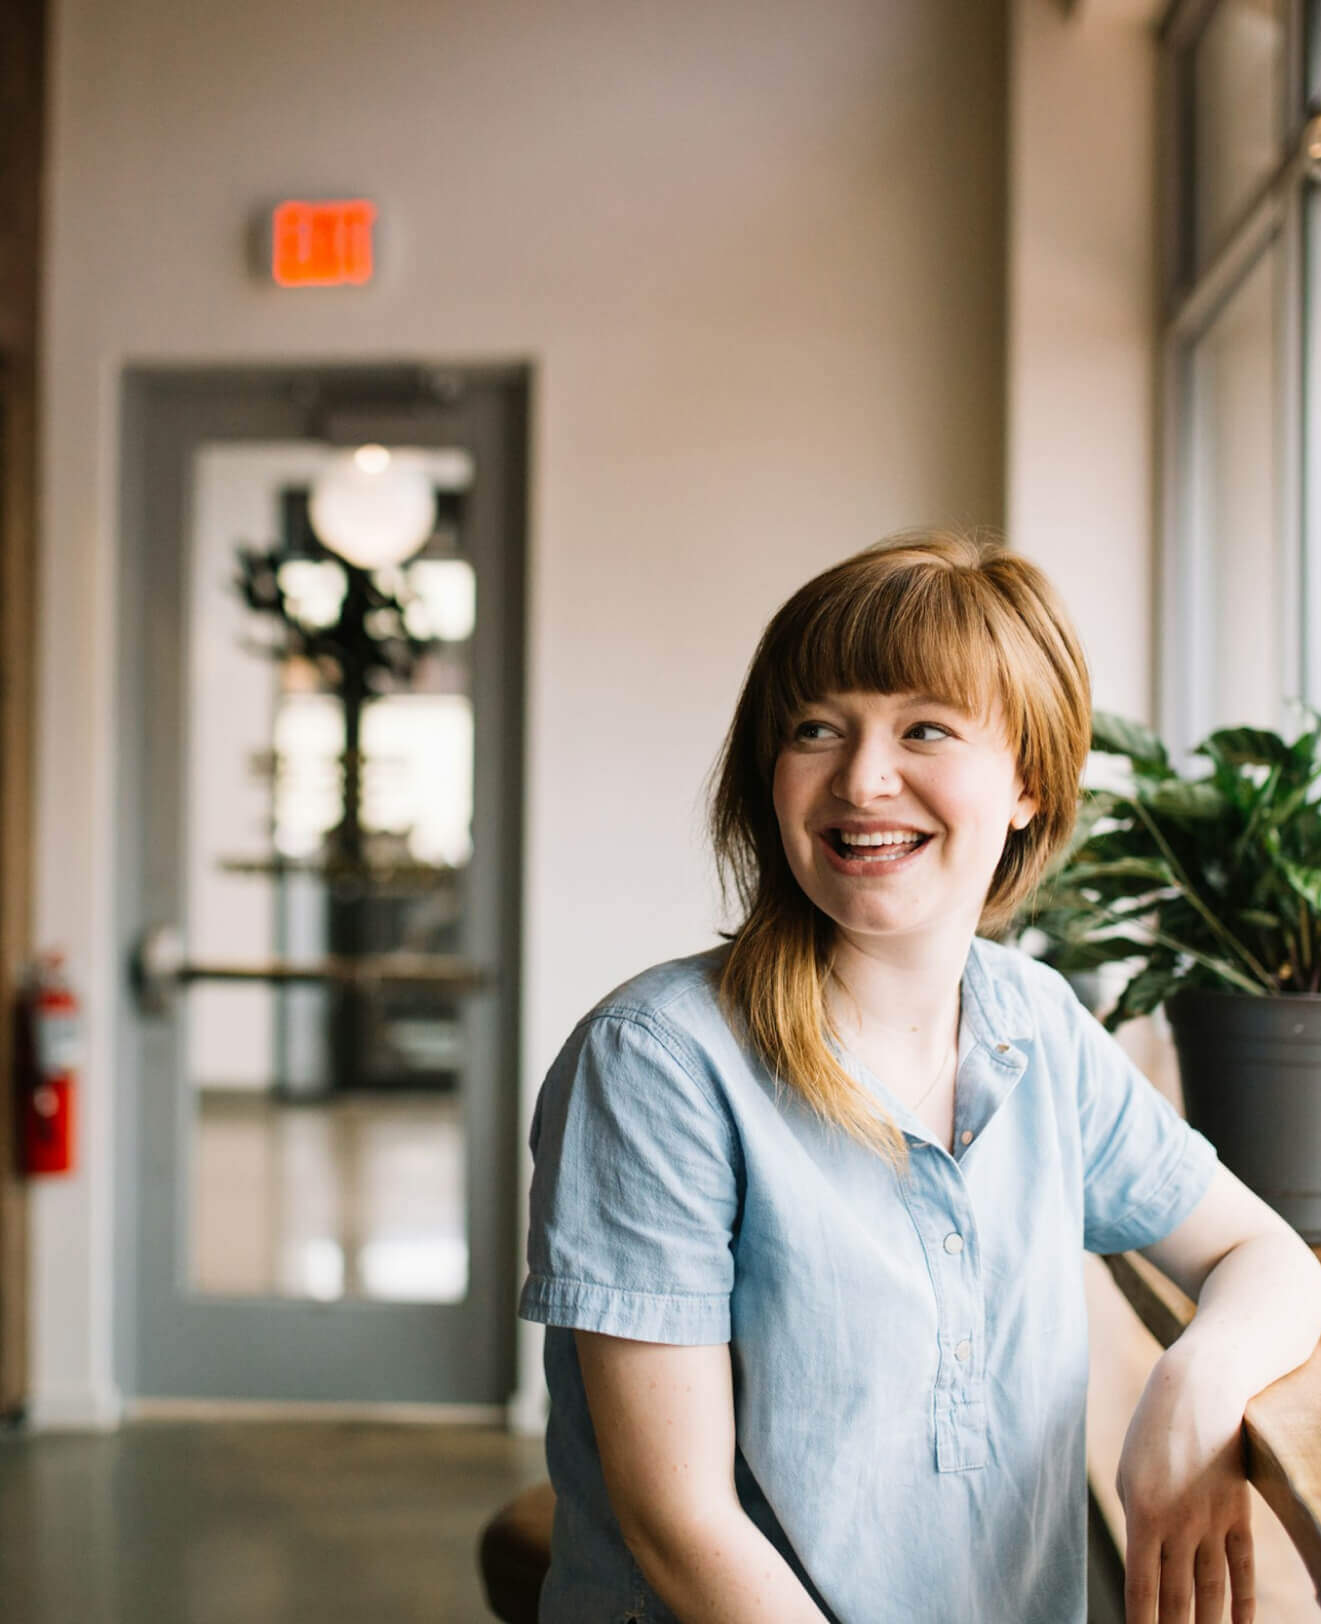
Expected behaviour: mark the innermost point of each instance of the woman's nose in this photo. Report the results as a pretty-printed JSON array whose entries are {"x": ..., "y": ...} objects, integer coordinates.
[{"x": 866, "y": 772}]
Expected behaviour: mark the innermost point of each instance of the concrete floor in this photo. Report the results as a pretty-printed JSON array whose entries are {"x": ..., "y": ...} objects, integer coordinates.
[{"x": 252, "y": 1522}]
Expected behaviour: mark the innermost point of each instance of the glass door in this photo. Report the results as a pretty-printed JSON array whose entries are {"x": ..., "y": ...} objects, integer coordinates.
[{"x": 322, "y": 617}]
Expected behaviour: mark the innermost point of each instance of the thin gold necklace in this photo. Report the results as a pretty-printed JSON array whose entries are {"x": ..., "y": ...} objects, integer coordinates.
[{"x": 940, "y": 1071}]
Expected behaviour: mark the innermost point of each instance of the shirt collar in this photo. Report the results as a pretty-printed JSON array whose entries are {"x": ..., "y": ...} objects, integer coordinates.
[{"x": 993, "y": 1004}]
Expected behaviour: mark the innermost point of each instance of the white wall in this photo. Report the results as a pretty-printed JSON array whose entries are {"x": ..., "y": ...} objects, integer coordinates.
[
  {"x": 754, "y": 251},
  {"x": 1082, "y": 311}
]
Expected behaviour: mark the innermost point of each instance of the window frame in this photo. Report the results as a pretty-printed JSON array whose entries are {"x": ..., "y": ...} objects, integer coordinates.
[{"x": 1283, "y": 211}]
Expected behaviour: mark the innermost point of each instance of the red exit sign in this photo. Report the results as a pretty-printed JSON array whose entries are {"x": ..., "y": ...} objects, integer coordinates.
[{"x": 322, "y": 245}]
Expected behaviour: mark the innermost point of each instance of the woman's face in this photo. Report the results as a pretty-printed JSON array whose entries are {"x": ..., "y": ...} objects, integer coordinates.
[{"x": 861, "y": 775}]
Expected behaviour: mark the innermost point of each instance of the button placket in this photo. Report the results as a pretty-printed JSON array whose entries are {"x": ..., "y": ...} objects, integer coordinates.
[
  {"x": 989, "y": 1073},
  {"x": 949, "y": 1235}
]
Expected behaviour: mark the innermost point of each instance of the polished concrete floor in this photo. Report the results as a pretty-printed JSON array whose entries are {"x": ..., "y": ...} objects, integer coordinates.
[{"x": 254, "y": 1522}]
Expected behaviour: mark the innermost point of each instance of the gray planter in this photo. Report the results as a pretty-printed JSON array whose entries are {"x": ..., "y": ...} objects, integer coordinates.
[{"x": 1251, "y": 1074}]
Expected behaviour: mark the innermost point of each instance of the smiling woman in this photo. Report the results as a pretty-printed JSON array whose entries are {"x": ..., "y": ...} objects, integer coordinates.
[
  {"x": 809, "y": 1209},
  {"x": 934, "y": 681}
]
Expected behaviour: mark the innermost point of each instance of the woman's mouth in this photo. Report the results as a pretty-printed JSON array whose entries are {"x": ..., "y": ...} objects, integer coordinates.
[{"x": 854, "y": 853}]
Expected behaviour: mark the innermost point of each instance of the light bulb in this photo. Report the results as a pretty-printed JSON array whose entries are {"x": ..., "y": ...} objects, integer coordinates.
[
  {"x": 372, "y": 459},
  {"x": 373, "y": 512}
]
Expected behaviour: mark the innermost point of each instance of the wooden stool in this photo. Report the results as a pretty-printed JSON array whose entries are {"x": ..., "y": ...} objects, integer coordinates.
[{"x": 514, "y": 1553}]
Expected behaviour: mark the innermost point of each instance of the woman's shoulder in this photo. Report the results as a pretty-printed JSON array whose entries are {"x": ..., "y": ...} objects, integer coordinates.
[
  {"x": 682, "y": 993},
  {"x": 665, "y": 1019},
  {"x": 659, "y": 1033}
]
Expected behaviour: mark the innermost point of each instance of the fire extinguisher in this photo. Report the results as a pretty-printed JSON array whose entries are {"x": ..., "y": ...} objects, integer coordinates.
[{"x": 54, "y": 1044}]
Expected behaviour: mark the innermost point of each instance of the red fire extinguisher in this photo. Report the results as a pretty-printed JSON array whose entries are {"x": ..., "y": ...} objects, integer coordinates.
[{"x": 54, "y": 1045}]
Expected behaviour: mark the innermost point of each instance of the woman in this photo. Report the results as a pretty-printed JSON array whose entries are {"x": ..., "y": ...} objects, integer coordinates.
[{"x": 809, "y": 1209}]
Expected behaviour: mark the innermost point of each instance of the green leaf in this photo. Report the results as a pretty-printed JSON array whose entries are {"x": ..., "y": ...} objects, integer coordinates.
[
  {"x": 1245, "y": 746},
  {"x": 1106, "y": 950},
  {"x": 1197, "y": 801},
  {"x": 1306, "y": 748},
  {"x": 1261, "y": 919},
  {"x": 1114, "y": 735},
  {"x": 1305, "y": 881},
  {"x": 1261, "y": 807},
  {"x": 1112, "y": 844},
  {"x": 1151, "y": 869},
  {"x": 1094, "y": 804},
  {"x": 1291, "y": 804},
  {"x": 1090, "y": 814},
  {"x": 1148, "y": 989}
]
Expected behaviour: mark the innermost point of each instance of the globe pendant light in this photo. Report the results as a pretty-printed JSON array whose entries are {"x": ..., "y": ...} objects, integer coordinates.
[{"x": 373, "y": 507}]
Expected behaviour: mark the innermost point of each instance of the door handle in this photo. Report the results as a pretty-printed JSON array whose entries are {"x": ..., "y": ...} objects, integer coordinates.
[{"x": 160, "y": 966}]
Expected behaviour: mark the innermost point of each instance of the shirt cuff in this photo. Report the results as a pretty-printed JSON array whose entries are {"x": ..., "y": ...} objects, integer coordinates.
[
  {"x": 693, "y": 1319},
  {"x": 1163, "y": 1211}
]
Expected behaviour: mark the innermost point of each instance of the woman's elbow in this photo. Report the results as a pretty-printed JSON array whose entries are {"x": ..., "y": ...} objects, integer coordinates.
[{"x": 677, "y": 1551}]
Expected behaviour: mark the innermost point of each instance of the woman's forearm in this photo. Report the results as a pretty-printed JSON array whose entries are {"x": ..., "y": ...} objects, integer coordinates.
[
  {"x": 722, "y": 1570},
  {"x": 1258, "y": 1317},
  {"x": 1180, "y": 1476}
]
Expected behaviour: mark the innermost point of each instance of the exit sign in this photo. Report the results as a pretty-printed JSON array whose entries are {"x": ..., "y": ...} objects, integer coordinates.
[{"x": 322, "y": 245}]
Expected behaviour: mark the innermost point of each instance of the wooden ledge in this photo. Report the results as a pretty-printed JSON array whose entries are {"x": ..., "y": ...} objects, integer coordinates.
[{"x": 1281, "y": 1427}]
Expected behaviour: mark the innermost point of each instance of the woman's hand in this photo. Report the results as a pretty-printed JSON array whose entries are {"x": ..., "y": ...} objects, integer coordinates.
[{"x": 1186, "y": 1502}]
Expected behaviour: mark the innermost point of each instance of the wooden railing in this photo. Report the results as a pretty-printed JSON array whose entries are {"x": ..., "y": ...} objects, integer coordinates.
[{"x": 1281, "y": 1431}]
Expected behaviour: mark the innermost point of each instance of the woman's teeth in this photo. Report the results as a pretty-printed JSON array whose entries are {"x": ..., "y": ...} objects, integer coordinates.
[{"x": 854, "y": 845}]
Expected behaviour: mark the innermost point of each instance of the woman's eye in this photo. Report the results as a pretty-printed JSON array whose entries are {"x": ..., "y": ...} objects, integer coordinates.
[
  {"x": 942, "y": 731},
  {"x": 809, "y": 731}
]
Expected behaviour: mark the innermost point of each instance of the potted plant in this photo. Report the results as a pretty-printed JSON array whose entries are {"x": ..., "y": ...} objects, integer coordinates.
[{"x": 1209, "y": 888}]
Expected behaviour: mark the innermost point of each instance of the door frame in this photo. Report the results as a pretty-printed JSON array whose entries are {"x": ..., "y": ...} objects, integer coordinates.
[
  {"x": 22, "y": 114},
  {"x": 306, "y": 402}
]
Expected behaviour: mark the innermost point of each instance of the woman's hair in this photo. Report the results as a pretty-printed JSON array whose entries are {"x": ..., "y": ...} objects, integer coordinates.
[{"x": 957, "y": 617}]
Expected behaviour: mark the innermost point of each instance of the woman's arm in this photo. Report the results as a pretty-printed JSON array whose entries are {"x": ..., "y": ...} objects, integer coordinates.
[
  {"x": 664, "y": 1422},
  {"x": 1258, "y": 1292}
]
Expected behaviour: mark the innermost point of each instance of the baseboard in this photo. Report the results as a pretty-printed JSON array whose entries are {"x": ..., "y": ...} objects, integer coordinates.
[
  {"x": 74, "y": 1410},
  {"x": 242, "y": 1409},
  {"x": 527, "y": 1410}
]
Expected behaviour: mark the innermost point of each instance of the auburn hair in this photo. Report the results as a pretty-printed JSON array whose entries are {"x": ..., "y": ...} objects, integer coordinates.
[{"x": 955, "y": 616}]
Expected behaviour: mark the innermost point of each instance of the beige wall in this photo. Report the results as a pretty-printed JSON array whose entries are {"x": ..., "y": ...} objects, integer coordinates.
[
  {"x": 1080, "y": 384},
  {"x": 754, "y": 251}
]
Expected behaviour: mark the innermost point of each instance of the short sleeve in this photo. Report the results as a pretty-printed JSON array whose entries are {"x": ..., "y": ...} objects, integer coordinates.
[
  {"x": 635, "y": 1190},
  {"x": 1145, "y": 1168}
]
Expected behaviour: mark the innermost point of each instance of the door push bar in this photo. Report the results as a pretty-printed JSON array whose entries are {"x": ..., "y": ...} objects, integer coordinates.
[{"x": 159, "y": 967}]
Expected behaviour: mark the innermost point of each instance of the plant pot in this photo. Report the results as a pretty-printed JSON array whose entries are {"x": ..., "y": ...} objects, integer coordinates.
[{"x": 1251, "y": 1074}]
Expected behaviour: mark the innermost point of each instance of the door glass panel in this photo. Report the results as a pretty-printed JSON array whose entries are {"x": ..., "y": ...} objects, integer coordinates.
[
  {"x": 1234, "y": 505},
  {"x": 329, "y": 795},
  {"x": 1238, "y": 81}
]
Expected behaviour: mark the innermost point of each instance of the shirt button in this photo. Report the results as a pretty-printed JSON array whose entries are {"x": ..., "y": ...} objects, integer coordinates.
[
  {"x": 954, "y": 1243},
  {"x": 963, "y": 1351},
  {"x": 966, "y": 1136},
  {"x": 1002, "y": 1048}
]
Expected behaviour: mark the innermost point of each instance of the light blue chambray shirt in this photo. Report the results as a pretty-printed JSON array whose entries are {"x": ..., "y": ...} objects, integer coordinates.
[{"x": 909, "y": 1358}]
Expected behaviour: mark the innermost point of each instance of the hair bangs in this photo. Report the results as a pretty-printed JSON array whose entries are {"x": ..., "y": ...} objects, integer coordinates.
[{"x": 912, "y": 630}]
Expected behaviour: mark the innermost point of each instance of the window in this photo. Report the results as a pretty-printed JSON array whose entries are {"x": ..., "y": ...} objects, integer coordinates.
[{"x": 1241, "y": 554}]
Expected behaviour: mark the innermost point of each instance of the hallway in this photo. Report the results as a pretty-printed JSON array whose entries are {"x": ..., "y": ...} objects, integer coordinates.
[{"x": 238, "y": 1522}]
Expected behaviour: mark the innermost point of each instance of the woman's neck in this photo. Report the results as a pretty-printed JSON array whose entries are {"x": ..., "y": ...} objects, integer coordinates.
[{"x": 899, "y": 996}]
